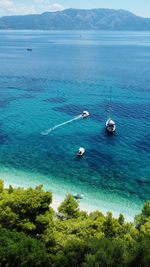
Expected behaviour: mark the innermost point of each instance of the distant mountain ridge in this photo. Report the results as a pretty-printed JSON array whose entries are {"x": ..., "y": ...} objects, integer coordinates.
[{"x": 78, "y": 19}]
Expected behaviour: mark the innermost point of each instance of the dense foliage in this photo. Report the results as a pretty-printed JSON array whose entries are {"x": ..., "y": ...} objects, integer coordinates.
[
  {"x": 17, "y": 249},
  {"x": 32, "y": 234},
  {"x": 25, "y": 210}
]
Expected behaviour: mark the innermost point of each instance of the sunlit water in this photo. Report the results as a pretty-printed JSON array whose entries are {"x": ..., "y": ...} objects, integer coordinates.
[{"x": 66, "y": 73}]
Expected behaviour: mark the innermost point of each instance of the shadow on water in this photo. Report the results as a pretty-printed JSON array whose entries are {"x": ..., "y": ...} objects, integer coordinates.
[
  {"x": 27, "y": 96},
  {"x": 7, "y": 101},
  {"x": 3, "y": 136},
  {"x": 56, "y": 100},
  {"x": 97, "y": 111},
  {"x": 143, "y": 144},
  {"x": 69, "y": 109}
]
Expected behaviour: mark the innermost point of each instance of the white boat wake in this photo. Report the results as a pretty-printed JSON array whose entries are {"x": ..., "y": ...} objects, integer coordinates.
[{"x": 59, "y": 125}]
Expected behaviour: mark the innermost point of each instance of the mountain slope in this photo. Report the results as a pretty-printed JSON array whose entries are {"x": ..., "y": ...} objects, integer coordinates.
[{"x": 78, "y": 19}]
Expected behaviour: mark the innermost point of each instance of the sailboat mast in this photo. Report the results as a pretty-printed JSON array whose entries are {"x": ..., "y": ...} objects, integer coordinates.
[
  {"x": 110, "y": 106},
  {"x": 110, "y": 124}
]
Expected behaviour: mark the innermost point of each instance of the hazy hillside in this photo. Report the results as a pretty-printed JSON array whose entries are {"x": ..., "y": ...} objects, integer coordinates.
[{"x": 78, "y": 19}]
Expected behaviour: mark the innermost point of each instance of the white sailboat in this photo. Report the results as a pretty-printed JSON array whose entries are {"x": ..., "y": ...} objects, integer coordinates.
[{"x": 110, "y": 124}]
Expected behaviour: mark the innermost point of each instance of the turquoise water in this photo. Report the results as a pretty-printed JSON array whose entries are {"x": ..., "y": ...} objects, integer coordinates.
[{"x": 66, "y": 73}]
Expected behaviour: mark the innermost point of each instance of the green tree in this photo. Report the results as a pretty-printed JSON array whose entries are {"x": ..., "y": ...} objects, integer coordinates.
[
  {"x": 145, "y": 228},
  {"x": 106, "y": 253},
  {"x": 111, "y": 226},
  {"x": 1, "y": 186},
  {"x": 25, "y": 210},
  {"x": 141, "y": 218},
  {"x": 69, "y": 207},
  {"x": 121, "y": 219},
  {"x": 72, "y": 254},
  {"x": 17, "y": 249},
  {"x": 140, "y": 253}
]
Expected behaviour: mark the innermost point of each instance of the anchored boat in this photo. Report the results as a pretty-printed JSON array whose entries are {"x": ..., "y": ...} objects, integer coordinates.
[
  {"x": 78, "y": 196},
  {"x": 81, "y": 151}
]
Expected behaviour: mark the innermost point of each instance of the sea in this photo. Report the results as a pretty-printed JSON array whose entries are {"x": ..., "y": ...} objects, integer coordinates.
[{"x": 42, "y": 94}]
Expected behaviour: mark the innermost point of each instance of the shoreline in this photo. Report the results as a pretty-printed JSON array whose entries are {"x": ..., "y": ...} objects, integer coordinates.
[{"x": 91, "y": 202}]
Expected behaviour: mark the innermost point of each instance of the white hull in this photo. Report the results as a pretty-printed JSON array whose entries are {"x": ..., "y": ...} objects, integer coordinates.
[
  {"x": 81, "y": 151},
  {"x": 110, "y": 126},
  {"x": 78, "y": 196},
  {"x": 85, "y": 114}
]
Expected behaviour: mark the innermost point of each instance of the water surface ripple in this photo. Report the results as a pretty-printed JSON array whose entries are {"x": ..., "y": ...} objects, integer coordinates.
[{"x": 66, "y": 73}]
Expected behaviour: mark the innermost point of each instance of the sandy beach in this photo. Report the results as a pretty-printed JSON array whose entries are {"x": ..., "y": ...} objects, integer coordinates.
[{"x": 89, "y": 203}]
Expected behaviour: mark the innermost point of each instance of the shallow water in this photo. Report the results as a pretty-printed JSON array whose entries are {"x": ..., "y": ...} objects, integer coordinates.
[{"x": 66, "y": 73}]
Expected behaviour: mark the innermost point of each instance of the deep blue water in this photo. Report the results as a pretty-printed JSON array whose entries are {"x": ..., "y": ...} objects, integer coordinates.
[{"x": 66, "y": 73}]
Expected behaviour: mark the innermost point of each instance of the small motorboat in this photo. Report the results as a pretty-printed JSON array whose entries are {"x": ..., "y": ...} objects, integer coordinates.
[
  {"x": 85, "y": 114},
  {"x": 81, "y": 151},
  {"x": 29, "y": 49},
  {"x": 78, "y": 196}
]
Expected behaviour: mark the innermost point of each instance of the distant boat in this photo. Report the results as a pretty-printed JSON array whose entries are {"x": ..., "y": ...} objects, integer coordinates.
[
  {"x": 85, "y": 114},
  {"x": 110, "y": 124},
  {"x": 78, "y": 196},
  {"x": 81, "y": 151},
  {"x": 29, "y": 49}
]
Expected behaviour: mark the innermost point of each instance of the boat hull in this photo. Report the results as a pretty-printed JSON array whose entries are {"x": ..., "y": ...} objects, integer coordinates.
[
  {"x": 78, "y": 196},
  {"x": 85, "y": 114},
  {"x": 81, "y": 151},
  {"x": 110, "y": 126},
  {"x": 110, "y": 129}
]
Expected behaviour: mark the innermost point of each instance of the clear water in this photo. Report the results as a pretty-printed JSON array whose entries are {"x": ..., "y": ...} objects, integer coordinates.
[{"x": 68, "y": 72}]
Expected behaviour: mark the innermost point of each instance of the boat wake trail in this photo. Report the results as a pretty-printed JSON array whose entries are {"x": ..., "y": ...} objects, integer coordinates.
[{"x": 59, "y": 125}]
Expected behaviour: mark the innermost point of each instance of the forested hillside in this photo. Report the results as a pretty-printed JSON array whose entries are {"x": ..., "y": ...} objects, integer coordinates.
[
  {"x": 32, "y": 234},
  {"x": 78, "y": 19}
]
